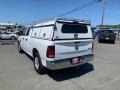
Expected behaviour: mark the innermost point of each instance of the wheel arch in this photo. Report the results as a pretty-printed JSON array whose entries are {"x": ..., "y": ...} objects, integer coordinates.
[{"x": 34, "y": 51}]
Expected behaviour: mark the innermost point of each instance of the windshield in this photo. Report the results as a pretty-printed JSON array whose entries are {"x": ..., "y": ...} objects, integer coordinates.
[{"x": 74, "y": 28}]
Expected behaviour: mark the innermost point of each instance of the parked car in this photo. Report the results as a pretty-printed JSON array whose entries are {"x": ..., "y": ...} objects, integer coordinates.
[
  {"x": 57, "y": 44},
  {"x": 107, "y": 35},
  {"x": 6, "y": 35}
]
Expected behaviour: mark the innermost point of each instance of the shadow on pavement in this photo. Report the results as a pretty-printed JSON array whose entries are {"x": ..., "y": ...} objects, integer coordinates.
[
  {"x": 68, "y": 73},
  {"x": 28, "y": 56},
  {"x": 65, "y": 74}
]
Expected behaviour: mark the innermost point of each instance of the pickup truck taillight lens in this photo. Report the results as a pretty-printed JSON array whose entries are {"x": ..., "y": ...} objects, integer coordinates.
[{"x": 50, "y": 52}]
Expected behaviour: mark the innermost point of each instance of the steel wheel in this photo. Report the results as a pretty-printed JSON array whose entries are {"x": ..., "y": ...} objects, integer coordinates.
[{"x": 36, "y": 63}]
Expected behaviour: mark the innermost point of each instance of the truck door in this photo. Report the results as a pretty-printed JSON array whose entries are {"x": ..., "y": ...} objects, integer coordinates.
[
  {"x": 23, "y": 39},
  {"x": 26, "y": 40}
]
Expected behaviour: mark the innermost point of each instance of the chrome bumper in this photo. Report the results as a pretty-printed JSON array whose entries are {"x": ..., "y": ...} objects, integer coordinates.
[{"x": 65, "y": 63}]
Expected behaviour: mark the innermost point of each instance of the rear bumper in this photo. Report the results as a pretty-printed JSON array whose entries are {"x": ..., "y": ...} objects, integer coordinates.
[
  {"x": 107, "y": 39},
  {"x": 65, "y": 63}
]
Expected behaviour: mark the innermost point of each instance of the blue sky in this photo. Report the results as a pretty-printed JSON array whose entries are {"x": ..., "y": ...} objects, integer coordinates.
[{"x": 27, "y": 11}]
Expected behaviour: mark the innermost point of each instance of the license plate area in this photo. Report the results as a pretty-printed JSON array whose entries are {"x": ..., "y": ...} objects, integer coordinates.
[{"x": 76, "y": 60}]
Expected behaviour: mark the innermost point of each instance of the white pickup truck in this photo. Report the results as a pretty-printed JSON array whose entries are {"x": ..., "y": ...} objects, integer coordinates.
[{"x": 58, "y": 43}]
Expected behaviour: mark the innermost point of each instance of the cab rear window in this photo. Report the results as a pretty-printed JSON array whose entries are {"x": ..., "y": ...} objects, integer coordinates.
[{"x": 74, "y": 28}]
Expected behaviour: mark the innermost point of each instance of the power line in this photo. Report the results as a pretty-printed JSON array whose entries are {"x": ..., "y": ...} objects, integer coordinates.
[
  {"x": 80, "y": 7},
  {"x": 76, "y": 9}
]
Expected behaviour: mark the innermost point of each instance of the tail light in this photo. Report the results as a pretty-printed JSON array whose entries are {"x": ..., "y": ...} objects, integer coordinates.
[
  {"x": 50, "y": 52},
  {"x": 92, "y": 46}
]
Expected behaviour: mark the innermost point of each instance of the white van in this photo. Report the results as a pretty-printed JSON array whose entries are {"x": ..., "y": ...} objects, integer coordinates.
[{"x": 58, "y": 43}]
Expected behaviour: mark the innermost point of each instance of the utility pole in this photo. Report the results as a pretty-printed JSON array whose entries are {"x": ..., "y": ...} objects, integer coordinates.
[
  {"x": 103, "y": 12},
  {"x": 16, "y": 26}
]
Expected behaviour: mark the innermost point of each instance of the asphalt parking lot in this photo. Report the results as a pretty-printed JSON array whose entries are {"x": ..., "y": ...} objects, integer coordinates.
[{"x": 17, "y": 72}]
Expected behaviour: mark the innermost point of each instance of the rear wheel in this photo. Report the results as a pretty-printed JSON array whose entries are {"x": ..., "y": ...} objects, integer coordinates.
[
  {"x": 113, "y": 41},
  {"x": 99, "y": 40},
  {"x": 39, "y": 68}
]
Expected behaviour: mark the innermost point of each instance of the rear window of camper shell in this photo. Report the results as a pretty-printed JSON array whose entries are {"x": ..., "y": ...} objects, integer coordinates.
[{"x": 74, "y": 28}]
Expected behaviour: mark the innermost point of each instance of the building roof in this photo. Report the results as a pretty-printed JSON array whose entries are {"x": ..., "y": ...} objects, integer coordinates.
[{"x": 7, "y": 24}]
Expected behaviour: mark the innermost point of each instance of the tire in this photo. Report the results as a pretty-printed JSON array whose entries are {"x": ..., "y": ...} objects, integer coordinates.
[
  {"x": 113, "y": 42},
  {"x": 12, "y": 38},
  {"x": 19, "y": 48},
  {"x": 39, "y": 68},
  {"x": 99, "y": 40}
]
